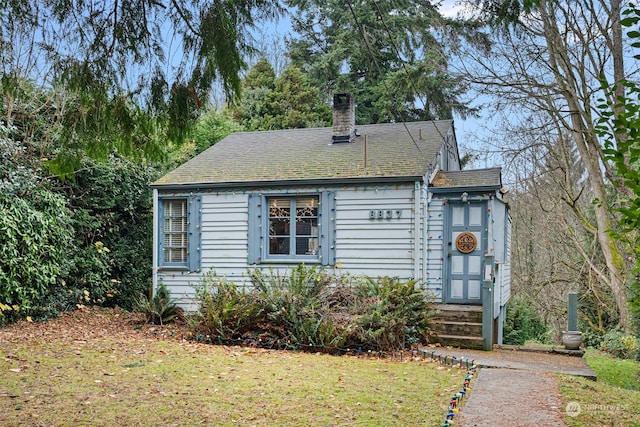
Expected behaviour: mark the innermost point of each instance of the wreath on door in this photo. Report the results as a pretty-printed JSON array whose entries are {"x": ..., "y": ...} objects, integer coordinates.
[{"x": 466, "y": 242}]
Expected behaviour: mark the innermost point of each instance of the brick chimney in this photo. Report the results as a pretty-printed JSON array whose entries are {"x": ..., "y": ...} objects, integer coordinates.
[{"x": 344, "y": 118}]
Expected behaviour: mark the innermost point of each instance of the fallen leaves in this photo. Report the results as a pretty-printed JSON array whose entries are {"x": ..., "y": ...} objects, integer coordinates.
[
  {"x": 81, "y": 326},
  {"x": 105, "y": 367}
]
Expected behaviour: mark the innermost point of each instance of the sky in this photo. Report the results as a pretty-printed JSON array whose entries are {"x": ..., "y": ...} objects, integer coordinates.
[
  {"x": 472, "y": 131},
  {"x": 450, "y": 8}
]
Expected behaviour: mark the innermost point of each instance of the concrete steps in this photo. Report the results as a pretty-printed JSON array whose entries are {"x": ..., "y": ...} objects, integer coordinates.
[{"x": 458, "y": 326}]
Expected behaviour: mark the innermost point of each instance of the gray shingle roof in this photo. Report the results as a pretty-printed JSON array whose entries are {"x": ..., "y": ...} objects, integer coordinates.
[
  {"x": 490, "y": 177},
  {"x": 392, "y": 150}
]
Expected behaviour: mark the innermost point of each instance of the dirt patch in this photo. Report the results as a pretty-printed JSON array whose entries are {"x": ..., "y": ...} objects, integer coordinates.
[{"x": 90, "y": 323}]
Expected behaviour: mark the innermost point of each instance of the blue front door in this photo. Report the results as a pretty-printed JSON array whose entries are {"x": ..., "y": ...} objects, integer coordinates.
[{"x": 466, "y": 246}]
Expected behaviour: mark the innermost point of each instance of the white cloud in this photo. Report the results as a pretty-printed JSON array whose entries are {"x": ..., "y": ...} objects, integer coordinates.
[{"x": 451, "y": 8}]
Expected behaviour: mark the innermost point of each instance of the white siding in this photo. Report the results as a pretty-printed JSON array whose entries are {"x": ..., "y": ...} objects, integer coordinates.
[
  {"x": 378, "y": 246},
  {"x": 368, "y": 246},
  {"x": 224, "y": 233},
  {"x": 505, "y": 273},
  {"x": 505, "y": 279},
  {"x": 500, "y": 236},
  {"x": 224, "y": 226},
  {"x": 434, "y": 243}
]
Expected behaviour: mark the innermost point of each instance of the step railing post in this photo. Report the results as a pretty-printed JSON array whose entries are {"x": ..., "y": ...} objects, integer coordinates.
[{"x": 487, "y": 303}]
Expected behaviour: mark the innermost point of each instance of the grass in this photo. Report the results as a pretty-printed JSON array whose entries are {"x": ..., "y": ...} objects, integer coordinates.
[
  {"x": 616, "y": 372},
  {"x": 146, "y": 382},
  {"x": 613, "y": 400}
]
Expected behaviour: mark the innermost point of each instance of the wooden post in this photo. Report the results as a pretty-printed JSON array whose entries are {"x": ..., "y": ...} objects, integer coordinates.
[{"x": 487, "y": 304}]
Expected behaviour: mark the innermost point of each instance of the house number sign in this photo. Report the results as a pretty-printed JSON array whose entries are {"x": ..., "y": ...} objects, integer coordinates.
[
  {"x": 466, "y": 242},
  {"x": 385, "y": 214}
]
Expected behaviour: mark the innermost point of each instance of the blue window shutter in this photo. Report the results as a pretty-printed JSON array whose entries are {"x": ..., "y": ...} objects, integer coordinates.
[
  {"x": 160, "y": 233},
  {"x": 327, "y": 227},
  {"x": 254, "y": 232},
  {"x": 194, "y": 212}
]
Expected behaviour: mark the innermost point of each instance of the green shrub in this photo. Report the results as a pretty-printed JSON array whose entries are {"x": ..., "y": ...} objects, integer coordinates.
[
  {"x": 35, "y": 233},
  {"x": 159, "y": 309},
  {"x": 592, "y": 337},
  {"x": 523, "y": 323},
  {"x": 298, "y": 304},
  {"x": 308, "y": 308},
  {"x": 279, "y": 308},
  {"x": 621, "y": 345},
  {"x": 112, "y": 213},
  {"x": 87, "y": 240},
  {"x": 226, "y": 312},
  {"x": 390, "y": 314}
]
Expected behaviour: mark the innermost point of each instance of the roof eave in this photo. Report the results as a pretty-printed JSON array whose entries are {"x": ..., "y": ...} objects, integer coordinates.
[
  {"x": 289, "y": 182},
  {"x": 471, "y": 188}
]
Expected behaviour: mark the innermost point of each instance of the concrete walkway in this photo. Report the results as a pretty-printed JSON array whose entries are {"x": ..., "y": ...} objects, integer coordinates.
[
  {"x": 515, "y": 387},
  {"x": 525, "y": 359},
  {"x": 504, "y": 397}
]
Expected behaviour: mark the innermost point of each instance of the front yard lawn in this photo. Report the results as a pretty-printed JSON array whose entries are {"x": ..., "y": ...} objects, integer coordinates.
[
  {"x": 93, "y": 368},
  {"x": 612, "y": 400}
]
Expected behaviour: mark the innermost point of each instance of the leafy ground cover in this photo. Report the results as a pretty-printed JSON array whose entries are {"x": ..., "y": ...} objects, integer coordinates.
[
  {"x": 100, "y": 367},
  {"x": 613, "y": 400}
]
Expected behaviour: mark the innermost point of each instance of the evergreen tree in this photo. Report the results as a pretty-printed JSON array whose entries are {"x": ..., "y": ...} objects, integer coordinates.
[
  {"x": 134, "y": 74},
  {"x": 386, "y": 53},
  {"x": 285, "y": 102}
]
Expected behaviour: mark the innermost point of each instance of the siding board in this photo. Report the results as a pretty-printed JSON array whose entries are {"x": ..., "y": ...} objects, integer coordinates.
[
  {"x": 376, "y": 246},
  {"x": 364, "y": 245},
  {"x": 224, "y": 232},
  {"x": 434, "y": 246}
]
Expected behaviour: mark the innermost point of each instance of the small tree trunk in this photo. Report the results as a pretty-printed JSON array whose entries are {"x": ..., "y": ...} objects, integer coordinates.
[{"x": 590, "y": 153}]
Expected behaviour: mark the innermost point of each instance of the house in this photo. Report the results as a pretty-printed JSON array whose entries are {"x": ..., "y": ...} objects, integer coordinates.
[{"x": 376, "y": 200}]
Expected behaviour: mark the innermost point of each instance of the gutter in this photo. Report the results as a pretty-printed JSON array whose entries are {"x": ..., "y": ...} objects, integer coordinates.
[
  {"x": 287, "y": 183},
  {"x": 470, "y": 188}
]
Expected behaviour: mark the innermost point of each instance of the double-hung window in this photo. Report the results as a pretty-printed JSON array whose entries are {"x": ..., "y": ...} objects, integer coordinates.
[
  {"x": 175, "y": 231},
  {"x": 293, "y": 226},
  {"x": 179, "y": 221},
  {"x": 284, "y": 228}
]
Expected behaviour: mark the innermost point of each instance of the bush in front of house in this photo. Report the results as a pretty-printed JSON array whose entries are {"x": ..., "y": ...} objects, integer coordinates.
[
  {"x": 226, "y": 312},
  {"x": 308, "y": 308},
  {"x": 621, "y": 345},
  {"x": 298, "y": 302},
  {"x": 390, "y": 314},
  {"x": 160, "y": 308}
]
